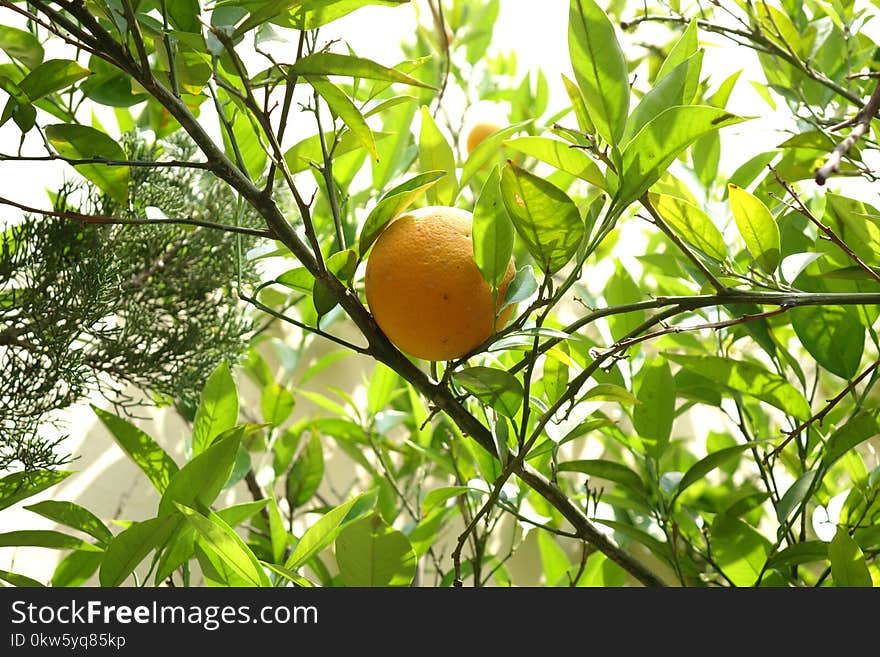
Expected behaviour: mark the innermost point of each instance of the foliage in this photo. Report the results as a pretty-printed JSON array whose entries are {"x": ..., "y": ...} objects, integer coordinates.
[
  {"x": 703, "y": 413},
  {"x": 93, "y": 308}
]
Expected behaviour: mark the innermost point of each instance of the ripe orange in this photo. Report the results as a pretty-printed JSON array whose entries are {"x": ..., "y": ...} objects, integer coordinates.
[
  {"x": 424, "y": 288},
  {"x": 479, "y": 132}
]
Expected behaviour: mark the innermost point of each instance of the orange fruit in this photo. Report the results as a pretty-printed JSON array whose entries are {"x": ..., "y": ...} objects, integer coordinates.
[
  {"x": 424, "y": 288},
  {"x": 479, "y": 132}
]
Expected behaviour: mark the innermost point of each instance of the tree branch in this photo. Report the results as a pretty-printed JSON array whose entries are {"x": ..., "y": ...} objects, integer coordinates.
[
  {"x": 102, "y": 219},
  {"x": 862, "y": 122}
]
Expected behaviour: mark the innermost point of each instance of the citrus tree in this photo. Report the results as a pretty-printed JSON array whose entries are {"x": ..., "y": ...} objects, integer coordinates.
[{"x": 634, "y": 332}]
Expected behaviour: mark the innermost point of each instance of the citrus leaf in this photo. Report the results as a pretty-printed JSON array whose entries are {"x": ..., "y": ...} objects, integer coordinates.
[
  {"x": 681, "y": 51},
  {"x": 677, "y": 87},
  {"x": 435, "y": 154},
  {"x": 276, "y": 403},
  {"x": 73, "y": 515},
  {"x": 649, "y": 153},
  {"x": 799, "y": 553},
  {"x": 599, "y": 68},
  {"x": 369, "y": 553},
  {"x": 22, "y": 485},
  {"x": 202, "y": 479},
  {"x": 343, "y": 107},
  {"x": 77, "y": 141},
  {"x": 493, "y": 232},
  {"x": 484, "y": 151},
  {"x": 217, "y": 410},
  {"x": 496, "y": 388},
  {"x": 862, "y": 426},
  {"x": 708, "y": 463},
  {"x": 438, "y": 496},
  {"x": 691, "y": 224},
  {"x": 21, "y": 45},
  {"x": 562, "y": 155},
  {"x": 226, "y": 544},
  {"x": 325, "y": 530},
  {"x": 544, "y": 216},
  {"x": 140, "y": 448},
  {"x": 848, "y": 567},
  {"x": 757, "y": 226},
  {"x": 610, "y": 392},
  {"x": 795, "y": 495},
  {"x": 328, "y": 63},
  {"x": 832, "y": 335},
  {"x": 740, "y": 550},
  {"x": 45, "y": 538},
  {"x": 393, "y": 203},
  {"x": 131, "y": 546},
  {"x": 750, "y": 379},
  {"x": 616, "y": 472},
  {"x": 653, "y": 417},
  {"x": 51, "y": 76}
]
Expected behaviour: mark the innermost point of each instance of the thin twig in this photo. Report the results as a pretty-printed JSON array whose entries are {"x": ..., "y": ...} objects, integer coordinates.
[
  {"x": 182, "y": 164},
  {"x": 862, "y": 122},
  {"x": 804, "y": 210},
  {"x": 820, "y": 416},
  {"x": 103, "y": 219}
]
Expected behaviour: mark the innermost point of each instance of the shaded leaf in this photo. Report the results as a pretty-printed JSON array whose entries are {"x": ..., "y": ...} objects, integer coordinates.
[
  {"x": 328, "y": 63},
  {"x": 77, "y": 141},
  {"x": 848, "y": 567},
  {"x": 217, "y": 410},
  {"x": 435, "y": 154},
  {"x": 22, "y": 485},
  {"x": 370, "y": 553},
  {"x": 496, "y": 388},
  {"x": 73, "y": 515},
  {"x": 562, "y": 155}
]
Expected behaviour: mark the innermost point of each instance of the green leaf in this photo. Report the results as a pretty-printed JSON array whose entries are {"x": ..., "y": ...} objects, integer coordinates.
[
  {"x": 328, "y": 63},
  {"x": 832, "y": 335},
  {"x": 18, "y": 107},
  {"x": 496, "y": 388},
  {"x": 21, "y": 45},
  {"x": 562, "y": 155},
  {"x": 289, "y": 575},
  {"x": 656, "y": 146},
  {"x": 681, "y": 51},
  {"x": 76, "y": 568},
  {"x": 77, "y": 141},
  {"x": 578, "y": 105},
  {"x": 298, "y": 278},
  {"x": 739, "y": 549},
  {"x": 555, "y": 373},
  {"x": 393, "y": 204},
  {"x": 141, "y": 448},
  {"x": 708, "y": 463},
  {"x": 676, "y": 88},
  {"x": 486, "y": 149},
  {"x": 438, "y": 496},
  {"x": 218, "y": 408},
  {"x": 848, "y": 567},
  {"x": 343, "y": 107},
  {"x": 653, "y": 417},
  {"x": 610, "y": 392},
  {"x": 202, "y": 479},
  {"x": 493, "y": 232},
  {"x": 757, "y": 226},
  {"x": 325, "y": 530},
  {"x": 184, "y": 14},
  {"x": 521, "y": 287},
  {"x": 691, "y": 224},
  {"x": 278, "y": 534},
  {"x": 302, "y": 155},
  {"x": 862, "y": 426},
  {"x": 226, "y": 544},
  {"x": 131, "y": 546},
  {"x": 306, "y": 474},
  {"x": 658, "y": 548},
  {"x": 22, "y": 485},
  {"x": 795, "y": 555},
  {"x": 554, "y": 560},
  {"x": 237, "y": 513},
  {"x": 435, "y": 154},
  {"x": 21, "y": 581},
  {"x": 276, "y": 404},
  {"x": 370, "y": 553},
  {"x": 45, "y": 538},
  {"x": 247, "y": 138},
  {"x": 73, "y": 515},
  {"x": 750, "y": 379},
  {"x": 616, "y": 472},
  {"x": 51, "y": 76},
  {"x": 599, "y": 68},
  {"x": 544, "y": 216},
  {"x": 795, "y": 496},
  {"x": 311, "y": 14}
]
